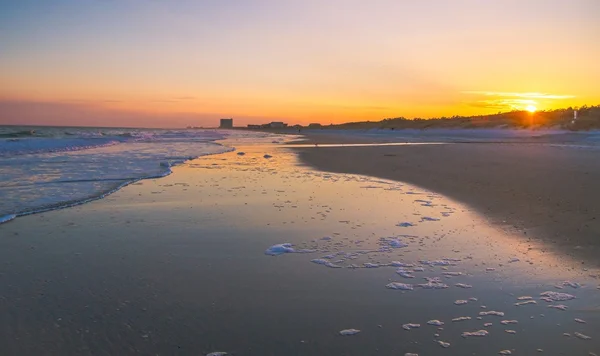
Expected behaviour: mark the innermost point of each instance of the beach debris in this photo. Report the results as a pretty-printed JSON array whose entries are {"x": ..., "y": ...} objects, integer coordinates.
[
  {"x": 582, "y": 336},
  {"x": 490, "y": 269},
  {"x": 491, "y": 312},
  {"x": 525, "y": 302},
  {"x": 241, "y": 153},
  {"x": 506, "y": 322},
  {"x": 267, "y": 156},
  {"x": 461, "y": 302},
  {"x": 428, "y": 218},
  {"x": 410, "y": 326},
  {"x": 326, "y": 238},
  {"x": 580, "y": 321},
  {"x": 505, "y": 352},
  {"x": 461, "y": 318},
  {"x": 217, "y": 353},
  {"x": 405, "y": 224},
  {"x": 399, "y": 286},
  {"x": 348, "y": 332},
  {"x": 462, "y": 285},
  {"x": 550, "y": 296},
  {"x": 475, "y": 333},
  {"x": 513, "y": 260},
  {"x": 443, "y": 343},
  {"x": 435, "y": 322},
  {"x": 510, "y": 331},
  {"x": 559, "y": 307}
]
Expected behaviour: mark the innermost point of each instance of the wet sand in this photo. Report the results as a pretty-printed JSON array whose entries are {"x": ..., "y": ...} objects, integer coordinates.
[
  {"x": 541, "y": 190},
  {"x": 177, "y": 266}
]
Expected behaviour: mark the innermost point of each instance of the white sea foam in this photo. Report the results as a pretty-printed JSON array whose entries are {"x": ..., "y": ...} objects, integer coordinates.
[
  {"x": 401, "y": 264},
  {"x": 7, "y": 218},
  {"x": 559, "y": 307},
  {"x": 525, "y": 302},
  {"x": 443, "y": 262},
  {"x": 461, "y": 318},
  {"x": 395, "y": 243},
  {"x": 349, "y": 332},
  {"x": 510, "y": 331},
  {"x": 280, "y": 249},
  {"x": 217, "y": 353},
  {"x": 433, "y": 285},
  {"x": 556, "y": 296},
  {"x": 461, "y": 302},
  {"x": 326, "y": 263},
  {"x": 505, "y": 352},
  {"x": 435, "y": 322},
  {"x": 506, "y": 322},
  {"x": 411, "y": 326},
  {"x": 443, "y": 343},
  {"x": 582, "y": 336},
  {"x": 404, "y": 273},
  {"x": 581, "y": 321},
  {"x": 491, "y": 312},
  {"x": 462, "y": 285},
  {"x": 399, "y": 286},
  {"x": 478, "y": 333}
]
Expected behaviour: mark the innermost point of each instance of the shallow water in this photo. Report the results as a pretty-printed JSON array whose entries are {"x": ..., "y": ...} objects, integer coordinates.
[
  {"x": 44, "y": 168},
  {"x": 178, "y": 266}
]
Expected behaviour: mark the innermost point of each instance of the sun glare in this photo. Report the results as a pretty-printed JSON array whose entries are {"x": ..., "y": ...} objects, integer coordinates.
[{"x": 531, "y": 108}]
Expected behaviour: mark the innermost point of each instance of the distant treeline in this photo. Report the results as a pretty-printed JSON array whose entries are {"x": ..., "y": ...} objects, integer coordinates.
[{"x": 588, "y": 118}]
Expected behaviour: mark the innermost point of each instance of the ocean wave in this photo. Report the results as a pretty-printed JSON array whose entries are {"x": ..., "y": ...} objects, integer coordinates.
[{"x": 46, "y": 173}]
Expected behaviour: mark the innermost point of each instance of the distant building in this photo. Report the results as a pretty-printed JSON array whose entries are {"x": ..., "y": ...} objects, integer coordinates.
[
  {"x": 226, "y": 124},
  {"x": 251, "y": 126},
  {"x": 277, "y": 125},
  {"x": 314, "y": 126}
]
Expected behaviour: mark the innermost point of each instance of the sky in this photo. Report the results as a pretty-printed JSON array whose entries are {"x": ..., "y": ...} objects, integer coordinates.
[{"x": 174, "y": 63}]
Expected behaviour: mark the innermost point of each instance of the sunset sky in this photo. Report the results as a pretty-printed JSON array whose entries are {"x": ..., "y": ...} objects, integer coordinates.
[{"x": 173, "y": 63}]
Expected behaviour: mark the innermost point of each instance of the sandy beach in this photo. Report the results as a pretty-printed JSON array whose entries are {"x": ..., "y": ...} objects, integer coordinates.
[
  {"x": 544, "y": 190},
  {"x": 180, "y": 265}
]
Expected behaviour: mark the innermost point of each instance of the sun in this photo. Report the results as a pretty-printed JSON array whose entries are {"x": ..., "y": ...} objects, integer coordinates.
[{"x": 531, "y": 108}]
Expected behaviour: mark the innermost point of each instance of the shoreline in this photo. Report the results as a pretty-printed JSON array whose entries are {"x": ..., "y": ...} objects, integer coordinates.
[
  {"x": 541, "y": 191},
  {"x": 177, "y": 265}
]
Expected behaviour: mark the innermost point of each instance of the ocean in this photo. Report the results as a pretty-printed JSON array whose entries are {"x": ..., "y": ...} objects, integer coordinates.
[{"x": 45, "y": 168}]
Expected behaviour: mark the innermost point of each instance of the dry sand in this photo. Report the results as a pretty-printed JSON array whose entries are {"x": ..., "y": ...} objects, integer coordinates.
[{"x": 545, "y": 191}]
